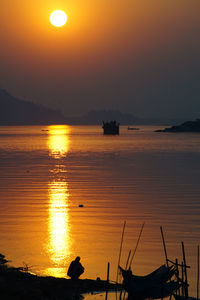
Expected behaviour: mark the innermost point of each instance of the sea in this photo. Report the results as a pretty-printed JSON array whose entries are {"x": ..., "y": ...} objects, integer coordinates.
[{"x": 67, "y": 191}]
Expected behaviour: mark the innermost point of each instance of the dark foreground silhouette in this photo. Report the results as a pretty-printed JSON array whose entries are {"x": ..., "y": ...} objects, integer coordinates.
[
  {"x": 156, "y": 285},
  {"x": 16, "y": 284}
]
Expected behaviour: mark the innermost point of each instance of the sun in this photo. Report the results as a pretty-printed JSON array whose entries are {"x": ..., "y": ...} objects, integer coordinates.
[{"x": 58, "y": 18}]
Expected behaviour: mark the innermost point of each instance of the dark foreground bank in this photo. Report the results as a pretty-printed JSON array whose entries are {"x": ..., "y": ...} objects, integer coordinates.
[{"x": 15, "y": 284}]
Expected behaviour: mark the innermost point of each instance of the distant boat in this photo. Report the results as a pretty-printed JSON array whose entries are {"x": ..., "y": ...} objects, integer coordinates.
[
  {"x": 111, "y": 127},
  {"x": 133, "y": 128}
]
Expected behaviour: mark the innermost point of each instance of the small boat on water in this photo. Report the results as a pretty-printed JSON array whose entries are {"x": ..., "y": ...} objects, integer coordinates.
[
  {"x": 111, "y": 127},
  {"x": 155, "y": 285},
  {"x": 133, "y": 128}
]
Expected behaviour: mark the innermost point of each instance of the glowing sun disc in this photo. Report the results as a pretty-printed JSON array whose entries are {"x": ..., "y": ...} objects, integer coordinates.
[{"x": 58, "y": 18}]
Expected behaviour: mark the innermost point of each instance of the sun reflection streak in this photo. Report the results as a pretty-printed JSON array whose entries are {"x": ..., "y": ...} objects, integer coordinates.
[
  {"x": 58, "y": 224},
  {"x": 58, "y": 140}
]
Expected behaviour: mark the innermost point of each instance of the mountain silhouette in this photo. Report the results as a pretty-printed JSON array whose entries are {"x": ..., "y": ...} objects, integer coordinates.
[
  {"x": 14, "y": 111},
  {"x": 95, "y": 117}
]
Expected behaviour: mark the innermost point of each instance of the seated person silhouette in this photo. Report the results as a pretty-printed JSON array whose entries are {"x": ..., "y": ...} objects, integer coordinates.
[{"x": 75, "y": 269}]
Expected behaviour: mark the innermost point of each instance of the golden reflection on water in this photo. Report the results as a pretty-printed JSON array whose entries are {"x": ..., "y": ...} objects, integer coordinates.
[
  {"x": 58, "y": 140},
  {"x": 59, "y": 228},
  {"x": 58, "y": 224}
]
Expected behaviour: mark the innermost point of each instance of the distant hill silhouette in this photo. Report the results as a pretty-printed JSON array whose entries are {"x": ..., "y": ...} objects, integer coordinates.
[
  {"x": 95, "y": 117},
  {"x": 14, "y": 111}
]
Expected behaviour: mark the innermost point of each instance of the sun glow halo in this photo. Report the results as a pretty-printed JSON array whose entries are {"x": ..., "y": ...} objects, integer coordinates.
[{"x": 58, "y": 18}]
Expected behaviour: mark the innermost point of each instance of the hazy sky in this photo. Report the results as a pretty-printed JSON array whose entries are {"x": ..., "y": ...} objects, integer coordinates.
[{"x": 138, "y": 56}]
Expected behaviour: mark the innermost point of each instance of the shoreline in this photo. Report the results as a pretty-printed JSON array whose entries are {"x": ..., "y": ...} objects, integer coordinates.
[{"x": 16, "y": 284}]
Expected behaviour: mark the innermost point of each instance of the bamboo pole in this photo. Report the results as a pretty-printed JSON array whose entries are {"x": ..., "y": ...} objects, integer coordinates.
[
  {"x": 185, "y": 270},
  {"x": 106, "y": 296},
  {"x": 120, "y": 250},
  {"x": 126, "y": 269},
  {"x": 183, "y": 283},
  {"x": 129, "y": 254},
  {"x": 198, "y": 272},
  {"x": 177, "y": 276},
  {"x": 107, "y": 280},
  {"x": 164, "y": 246},
  {"x": 108, "y": 272},
  {"x": 136, "y": 245},
  {"x": 133, "y": 254}
]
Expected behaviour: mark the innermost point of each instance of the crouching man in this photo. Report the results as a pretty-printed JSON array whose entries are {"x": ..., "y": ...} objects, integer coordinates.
[{"x": 75, "y": 269}]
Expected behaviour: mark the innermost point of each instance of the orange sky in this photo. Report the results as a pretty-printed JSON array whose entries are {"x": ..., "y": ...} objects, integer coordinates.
[{"x": 101, "y": 37}]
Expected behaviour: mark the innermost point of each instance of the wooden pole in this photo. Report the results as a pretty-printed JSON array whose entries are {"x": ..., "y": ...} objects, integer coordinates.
[
  {"x": 183, "y": 282},
  {"x": 136, "y": 245},
  {"x": 129, "y": 254},
  {"x": 120, "y": 250},
  {"x": 198, "y": 272},
  {"x": 164, "y": 246},
  {"x": 126, "y": 269},
  {"x": 177, "y": 276},
  {"x": 106, "y": 296},
  {"x": 108, "y": 272},
  {"x": 185, "y": 270}
]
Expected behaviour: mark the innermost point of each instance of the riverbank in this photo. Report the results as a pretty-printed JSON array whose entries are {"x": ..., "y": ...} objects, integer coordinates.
[{"x": 15, "y": 284}]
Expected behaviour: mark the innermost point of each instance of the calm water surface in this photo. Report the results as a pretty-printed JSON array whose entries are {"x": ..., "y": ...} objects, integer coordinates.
[{"x": 46, "y": 172}]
